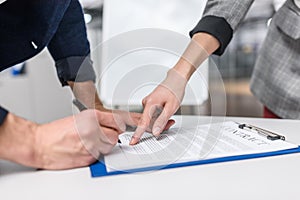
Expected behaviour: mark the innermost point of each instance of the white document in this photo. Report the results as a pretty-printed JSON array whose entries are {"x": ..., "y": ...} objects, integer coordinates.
[{"x": 189, "y": 144}]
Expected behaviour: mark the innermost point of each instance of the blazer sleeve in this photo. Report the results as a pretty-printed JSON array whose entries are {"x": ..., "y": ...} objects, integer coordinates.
[
  {"x": 221, "y": 18},
  {"x": 70, "y": 47},
  {"x": 3, "y": 113}
]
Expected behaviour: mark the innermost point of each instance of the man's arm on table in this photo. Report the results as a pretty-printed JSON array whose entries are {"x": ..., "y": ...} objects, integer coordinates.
[{"x": 71, "y": 142}]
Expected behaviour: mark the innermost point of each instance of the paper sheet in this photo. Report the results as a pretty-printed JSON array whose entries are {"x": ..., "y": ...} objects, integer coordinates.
[{"x": 188, "y": 144}]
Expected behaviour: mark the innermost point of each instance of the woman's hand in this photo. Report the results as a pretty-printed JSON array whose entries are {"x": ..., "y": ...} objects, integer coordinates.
[{"x": 160, "y": 105}]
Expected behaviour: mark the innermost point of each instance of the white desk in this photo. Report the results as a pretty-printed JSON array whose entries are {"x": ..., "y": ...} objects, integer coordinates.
[{"x": 264, "y": 178}]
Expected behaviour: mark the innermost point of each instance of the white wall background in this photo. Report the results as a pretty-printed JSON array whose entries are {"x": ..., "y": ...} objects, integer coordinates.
[
  {"x": 131, "y": 77},
  {"x": 37, "y": 96}
]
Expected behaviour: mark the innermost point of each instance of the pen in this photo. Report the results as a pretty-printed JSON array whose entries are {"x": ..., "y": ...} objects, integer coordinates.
[
  {"x": 268, "y": 134},
  {"x": 82, "y": 107}
]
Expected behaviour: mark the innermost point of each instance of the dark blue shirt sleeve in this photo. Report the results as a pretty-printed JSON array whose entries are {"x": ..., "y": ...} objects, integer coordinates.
[
  {"x": 3, "y": 114},
  {"x": 70, "y": 47}
]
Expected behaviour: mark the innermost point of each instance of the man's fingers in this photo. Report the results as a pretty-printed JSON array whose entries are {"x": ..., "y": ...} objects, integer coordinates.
[
  {"x": 110, "y": 120},
  {"x": 143, "y": 124},
  {"x": 108, "y": 139},
  {"x": 109, "y": 136}
]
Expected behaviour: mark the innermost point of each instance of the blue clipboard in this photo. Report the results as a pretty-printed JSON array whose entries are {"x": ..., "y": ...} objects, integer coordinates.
[{"x": 99, "y": 169}]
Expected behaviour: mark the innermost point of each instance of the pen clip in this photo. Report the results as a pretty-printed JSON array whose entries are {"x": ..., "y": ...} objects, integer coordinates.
[
  {"x": 268, "y": 134},
  {"x": 79, "y": 105}
]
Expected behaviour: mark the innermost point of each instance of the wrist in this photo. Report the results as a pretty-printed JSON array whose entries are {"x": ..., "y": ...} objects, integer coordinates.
[
  {"x": 198, "y": 50},
  {"x": 86, "y": 93},
  {"x": 99, "y": 106},
  {"x": 184, "y": 69},
  {"x": 175, "y": 82},
  {"x": 207, "y": 42},
  {"x": 17, "y": 140}
]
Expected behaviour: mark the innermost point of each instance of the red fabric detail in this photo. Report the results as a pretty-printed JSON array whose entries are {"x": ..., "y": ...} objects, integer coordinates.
[{"x": 270, "y": 114}]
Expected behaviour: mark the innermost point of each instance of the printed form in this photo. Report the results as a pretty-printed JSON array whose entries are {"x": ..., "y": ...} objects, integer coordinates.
[{"x": 179, "y": 145}]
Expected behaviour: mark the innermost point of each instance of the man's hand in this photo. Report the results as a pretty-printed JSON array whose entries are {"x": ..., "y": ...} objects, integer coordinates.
[
  {"x": 129, "y": 118},
  {"x": 71, "y": 142},
  {"x": 87, "y": 94},
  {"x": 160, "y": 105}
]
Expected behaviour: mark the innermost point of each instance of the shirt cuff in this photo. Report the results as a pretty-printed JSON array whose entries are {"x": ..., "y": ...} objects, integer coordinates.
[
  {"x": 76, "y": 69},
  {"x": 217, "y": 27},
  {"x": 3, "y": 114}
]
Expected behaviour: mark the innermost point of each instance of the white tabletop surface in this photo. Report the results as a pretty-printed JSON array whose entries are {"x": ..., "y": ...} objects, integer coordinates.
[{"x": 264, "y": 178}]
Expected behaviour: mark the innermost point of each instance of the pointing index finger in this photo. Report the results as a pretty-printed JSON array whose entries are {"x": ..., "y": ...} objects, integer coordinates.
[{"x": 143, "y": 124}]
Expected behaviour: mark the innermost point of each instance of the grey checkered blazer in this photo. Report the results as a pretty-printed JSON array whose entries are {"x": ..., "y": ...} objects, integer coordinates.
[{"x": 276, "y": 77}]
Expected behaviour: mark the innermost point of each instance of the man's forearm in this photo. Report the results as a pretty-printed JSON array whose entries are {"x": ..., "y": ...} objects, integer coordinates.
[{"x": 17, "y": 140}]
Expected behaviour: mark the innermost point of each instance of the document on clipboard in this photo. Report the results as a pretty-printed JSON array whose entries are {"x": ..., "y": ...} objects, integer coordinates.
[{"x": 180, "y": 147}]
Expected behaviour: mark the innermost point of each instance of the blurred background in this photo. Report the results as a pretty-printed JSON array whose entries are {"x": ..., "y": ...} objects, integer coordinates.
[{"x": 32, "y": 90}]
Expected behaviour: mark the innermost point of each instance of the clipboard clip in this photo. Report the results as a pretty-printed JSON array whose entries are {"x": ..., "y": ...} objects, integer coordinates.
[{"x": 268, "y": 134}]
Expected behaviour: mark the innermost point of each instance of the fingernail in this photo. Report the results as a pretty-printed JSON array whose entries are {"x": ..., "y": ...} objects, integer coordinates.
[
  {"x": 132, "y": 141},
  {"x": 156, "y": 131}
]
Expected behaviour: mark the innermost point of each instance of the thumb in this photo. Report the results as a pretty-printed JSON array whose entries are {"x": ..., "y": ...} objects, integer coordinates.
[{"x": 111, "y": 120}]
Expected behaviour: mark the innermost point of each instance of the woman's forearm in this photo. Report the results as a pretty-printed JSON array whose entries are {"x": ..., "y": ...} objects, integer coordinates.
[{"x": 199, "y": 49}]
